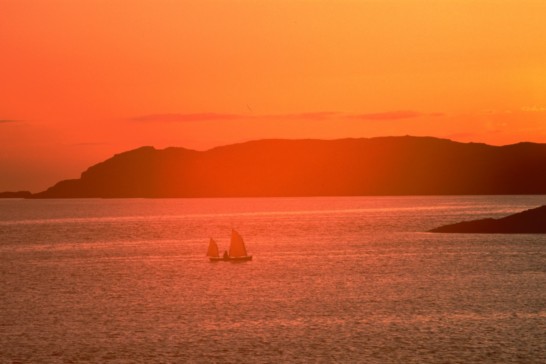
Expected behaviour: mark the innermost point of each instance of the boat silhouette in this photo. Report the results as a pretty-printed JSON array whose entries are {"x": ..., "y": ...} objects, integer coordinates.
[{"x": 237, "y": 250}]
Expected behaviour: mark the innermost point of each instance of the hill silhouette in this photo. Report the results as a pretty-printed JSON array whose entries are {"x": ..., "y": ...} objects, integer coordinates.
[
  {"x": 345, "y": 167},
  {"x": 18, "y": 194},
  {"x": 531, "y": 221}
]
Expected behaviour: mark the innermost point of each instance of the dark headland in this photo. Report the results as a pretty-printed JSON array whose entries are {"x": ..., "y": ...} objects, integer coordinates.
[
  {"x": 527, "y": 222},
  {"x": 346, "y": 167},
  {"x": 18, "y": 194}
]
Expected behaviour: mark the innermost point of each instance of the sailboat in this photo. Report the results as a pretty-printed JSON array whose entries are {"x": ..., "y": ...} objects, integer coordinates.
[{"x": 237, "y": 250}]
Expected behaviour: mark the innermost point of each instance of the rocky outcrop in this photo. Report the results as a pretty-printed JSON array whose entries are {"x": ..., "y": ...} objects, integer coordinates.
[{"x": 527, "y": 222}]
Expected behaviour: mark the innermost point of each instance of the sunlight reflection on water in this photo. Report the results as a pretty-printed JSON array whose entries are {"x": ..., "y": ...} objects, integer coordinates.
[{"x": 332, "y": 280}]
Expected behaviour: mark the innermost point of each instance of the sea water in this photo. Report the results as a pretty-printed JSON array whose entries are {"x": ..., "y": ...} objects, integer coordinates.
[{"x": 351, "y": 279}]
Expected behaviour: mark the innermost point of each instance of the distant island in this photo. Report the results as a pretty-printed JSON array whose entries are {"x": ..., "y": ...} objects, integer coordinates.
[
  {"x": 18, "y": 194},
  {"x": 345, "y": 167},
  {"x": 527, "y": 222}
]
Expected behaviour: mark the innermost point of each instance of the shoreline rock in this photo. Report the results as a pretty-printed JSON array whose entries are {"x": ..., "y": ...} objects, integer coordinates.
[{"x": 531, "y": 221}]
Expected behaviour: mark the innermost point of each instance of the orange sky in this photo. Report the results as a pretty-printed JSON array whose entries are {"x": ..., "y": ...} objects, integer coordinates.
[{"x": 82, "y": 80}]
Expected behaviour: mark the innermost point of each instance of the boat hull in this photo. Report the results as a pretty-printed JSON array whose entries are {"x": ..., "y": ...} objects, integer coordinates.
[
  {"x": 231, "y": 259},
  {"x": 240, "y": 259}
]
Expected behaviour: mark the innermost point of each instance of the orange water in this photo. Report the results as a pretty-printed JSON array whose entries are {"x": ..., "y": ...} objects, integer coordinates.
[{"x": 332, "y": 280}]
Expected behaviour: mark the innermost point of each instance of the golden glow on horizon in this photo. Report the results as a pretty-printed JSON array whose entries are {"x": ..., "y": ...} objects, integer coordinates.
[{"x": 76, "y": 75}]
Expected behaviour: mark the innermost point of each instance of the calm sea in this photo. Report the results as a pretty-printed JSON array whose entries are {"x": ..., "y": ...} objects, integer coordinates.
[{"x": 352, "y": 279}]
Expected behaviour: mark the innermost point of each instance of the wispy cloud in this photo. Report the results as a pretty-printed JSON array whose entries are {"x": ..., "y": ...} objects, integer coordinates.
[
  {"x": 5, "y": 121},
  {"x": 317, "y": 115},
  {"x": 533, "y": 109},
  {"x": 307, "y": 116},
  {"x": 392, "y": 115},
  {"x": 182, "y": 118},
  {"x": 89, "y": 144}
]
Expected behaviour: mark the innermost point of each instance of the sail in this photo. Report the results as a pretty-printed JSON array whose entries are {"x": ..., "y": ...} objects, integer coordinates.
[
  {"x": 213, "y": 249},
  {"x": 237, "y": 246}
]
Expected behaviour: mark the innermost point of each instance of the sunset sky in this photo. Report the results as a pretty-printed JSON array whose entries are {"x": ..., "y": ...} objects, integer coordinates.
[{"x": 81, "y": 80}]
